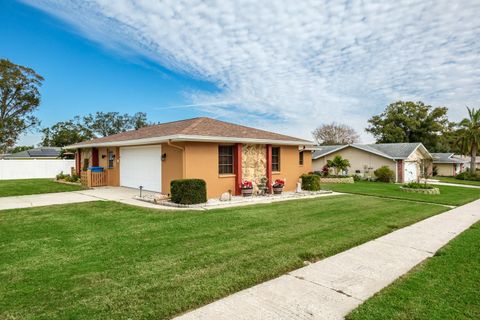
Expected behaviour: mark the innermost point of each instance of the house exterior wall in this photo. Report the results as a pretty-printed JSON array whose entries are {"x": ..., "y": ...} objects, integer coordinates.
[
  {"x": 361, "y": 160},
  {"x": 290, "y": 169},
  {"x": 172, "y": 166},
  {"x": 445, "y": 169},
  {"x": 420, "y": 157}
]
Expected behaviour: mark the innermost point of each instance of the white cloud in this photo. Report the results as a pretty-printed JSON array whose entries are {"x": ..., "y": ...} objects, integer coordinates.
[{"x": 300, "y": 63}]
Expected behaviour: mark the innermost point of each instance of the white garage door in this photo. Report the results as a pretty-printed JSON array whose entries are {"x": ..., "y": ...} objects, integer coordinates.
[
  {"x": 141, "y": 166},
  {"x": 410, "y": 171}
]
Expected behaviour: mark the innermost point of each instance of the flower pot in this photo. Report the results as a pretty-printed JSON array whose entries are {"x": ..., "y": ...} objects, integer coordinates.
[
  {"x": 247, "y": 192},
  {"x": 277, "y": 190}
]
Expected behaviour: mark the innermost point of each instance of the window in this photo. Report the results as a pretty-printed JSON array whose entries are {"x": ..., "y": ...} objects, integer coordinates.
[
  {"x": 225, "y": 159},
  {"x": 111, "y": 159},
  {"x": 300, "y": 158},
  {"x": 276, "y": 159}
]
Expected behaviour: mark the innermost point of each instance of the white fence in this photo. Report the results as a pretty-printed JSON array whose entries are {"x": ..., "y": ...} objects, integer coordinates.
[{"x": 31, "y": 169}]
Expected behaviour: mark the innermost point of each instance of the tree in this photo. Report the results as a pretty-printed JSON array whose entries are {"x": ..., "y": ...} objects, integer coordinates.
[
  {"x": 19, "y": 149},
  {"x": 338, "y": 164},
  {"x": 19, "y": 98},
  {"x": 469, "y": 136},
  {"x": 103, "y": 124},
  {"x": 407, "y": 121},
  {"x": 334, "y": 133},
  {"x": 65, "y": 133}
]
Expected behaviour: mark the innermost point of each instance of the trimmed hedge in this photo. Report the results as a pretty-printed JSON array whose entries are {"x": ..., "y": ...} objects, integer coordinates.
[
  {"x": 310, "y": 182},
  {"x": 188, "y": 191},
  {"x": 384, "y": 174}
]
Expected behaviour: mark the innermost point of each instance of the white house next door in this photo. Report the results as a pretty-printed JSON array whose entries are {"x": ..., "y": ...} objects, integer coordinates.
[
  {"x": 141, "y": 166},
  {"x": 410, "y": 171}
]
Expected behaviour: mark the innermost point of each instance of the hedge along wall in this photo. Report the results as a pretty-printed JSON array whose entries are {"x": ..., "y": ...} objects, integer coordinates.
[
  {"x": 310, "y": 182},
  {"x": 188, "y": 191}
]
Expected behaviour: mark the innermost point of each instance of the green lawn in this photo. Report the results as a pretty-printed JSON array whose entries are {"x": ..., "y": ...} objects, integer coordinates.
[
  {"x": 458, "y": 181},
  {"x": 105, "y": 260},
  {"x": 33, "y": 186},
  {"x": 446, "y": 286},
  {"x": 448, "y": 195}
]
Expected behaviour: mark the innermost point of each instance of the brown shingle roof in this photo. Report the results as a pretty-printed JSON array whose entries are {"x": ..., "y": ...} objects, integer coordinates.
[{"x": 194, "y": 127}]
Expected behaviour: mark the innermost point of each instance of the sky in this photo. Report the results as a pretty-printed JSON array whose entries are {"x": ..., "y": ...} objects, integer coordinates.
[{"x": 285, "y": 66}]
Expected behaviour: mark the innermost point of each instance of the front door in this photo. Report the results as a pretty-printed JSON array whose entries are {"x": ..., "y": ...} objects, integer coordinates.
[{"x": 112, "y": 167}]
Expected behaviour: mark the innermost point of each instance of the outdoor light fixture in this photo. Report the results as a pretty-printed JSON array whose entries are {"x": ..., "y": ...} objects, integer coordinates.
[
  {"x": 164, "y": 156},
  {"x": 104, "y": 156},
  {"x": 141, "y": 188}
]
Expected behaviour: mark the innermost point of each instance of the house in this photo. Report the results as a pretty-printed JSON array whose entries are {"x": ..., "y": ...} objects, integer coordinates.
[
  {"x": 405, "y": 159},
  {"x": 447, "y": 164},
  {"x": 221, "y": 153},
  {"x": 36, "y": 153}
]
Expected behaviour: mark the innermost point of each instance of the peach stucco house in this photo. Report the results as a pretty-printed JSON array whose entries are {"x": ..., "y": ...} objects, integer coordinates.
[{"x": 223, "y": 154}]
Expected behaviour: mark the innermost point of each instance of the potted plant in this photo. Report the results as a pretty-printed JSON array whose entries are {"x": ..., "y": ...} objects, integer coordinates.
[
  {"x": 247, "y": 188},
  {"x": 278, "y": 186}
]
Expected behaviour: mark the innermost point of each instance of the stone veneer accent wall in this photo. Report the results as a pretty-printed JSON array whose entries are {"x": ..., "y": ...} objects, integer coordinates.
[
  {"x": 86, "y": 153},
  {"x": 254, "y": 162}
]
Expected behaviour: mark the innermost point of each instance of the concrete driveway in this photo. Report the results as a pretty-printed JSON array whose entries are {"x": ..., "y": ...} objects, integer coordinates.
[{"x": 119, "y": 194}]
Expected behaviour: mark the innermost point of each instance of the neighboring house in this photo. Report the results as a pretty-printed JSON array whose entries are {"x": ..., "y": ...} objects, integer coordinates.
[
  {"x": 467, "y": 160},
  {"x": 447, "y": 164},
  {"x": 223, "y": 154},
  {"x": 405, "y": 159},
  {"x": 36, "y": 153}
]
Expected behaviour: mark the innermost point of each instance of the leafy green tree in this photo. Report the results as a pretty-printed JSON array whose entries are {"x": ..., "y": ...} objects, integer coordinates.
[
  {"x": 19, "y": 98},
  {"x": 469, "y": 136},
  {"x": 19, "y": 149},
  {"x": 65, "y": 133},
  {"x": 103, "y": 124},
  {"x": 407, "y": 121},
  {"x": 338, "y": 164}
]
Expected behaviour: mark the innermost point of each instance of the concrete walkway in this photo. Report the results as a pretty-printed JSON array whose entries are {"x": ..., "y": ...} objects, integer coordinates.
[
  {"x": 452, "y": 184},
  {"x": 331, "y": 288}
]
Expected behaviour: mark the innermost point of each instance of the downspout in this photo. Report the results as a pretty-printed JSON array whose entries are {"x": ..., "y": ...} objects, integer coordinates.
[{"x": 184, "y": 165}]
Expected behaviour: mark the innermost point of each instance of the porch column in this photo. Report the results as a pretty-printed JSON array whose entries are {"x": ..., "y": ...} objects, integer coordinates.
[
  {"x": 237, "y": 162},
  {"x": 269, "y": 167},
  {"x": 400, "y": 171},
  {"x": 78, "y": 161}
]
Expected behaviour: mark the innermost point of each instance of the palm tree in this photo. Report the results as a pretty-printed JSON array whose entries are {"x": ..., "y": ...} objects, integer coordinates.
[
  {"x": 469, "y": 136},
  {"x": 338, "y": 164}
]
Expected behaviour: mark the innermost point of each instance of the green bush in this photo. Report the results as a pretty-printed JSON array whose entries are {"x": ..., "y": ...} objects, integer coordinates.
[
  {"x": 384, "y": 174},
  {"x": 356, "y": 177},
  {"x": 188, "y": 191},
  {"x": 73, "y": 178},
  {"x": 61, "y": 176},
  {"x": 416, "y": 185},
  {"x": 310, "y": 182},
  {"x": 466, "y": 175}
]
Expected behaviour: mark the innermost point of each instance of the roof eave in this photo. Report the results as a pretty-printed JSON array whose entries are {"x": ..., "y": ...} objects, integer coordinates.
[{"x": 163, "y": 139}]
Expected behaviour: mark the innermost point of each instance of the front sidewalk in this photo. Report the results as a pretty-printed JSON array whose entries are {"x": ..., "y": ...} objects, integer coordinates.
[{"x": 331, "y": 288}]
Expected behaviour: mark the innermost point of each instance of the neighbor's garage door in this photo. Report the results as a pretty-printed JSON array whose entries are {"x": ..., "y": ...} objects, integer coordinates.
[
  {"x": 141, "y": 166},
  {"x": 410, "y": 171}
]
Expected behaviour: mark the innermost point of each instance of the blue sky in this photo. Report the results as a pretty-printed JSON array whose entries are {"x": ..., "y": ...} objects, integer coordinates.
[{"x": 283, "y": 66}]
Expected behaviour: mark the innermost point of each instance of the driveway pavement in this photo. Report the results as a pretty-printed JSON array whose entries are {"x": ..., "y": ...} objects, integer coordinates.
[
  {"x": 120, "y": 194},
  {"x": 331, "y": 288}
]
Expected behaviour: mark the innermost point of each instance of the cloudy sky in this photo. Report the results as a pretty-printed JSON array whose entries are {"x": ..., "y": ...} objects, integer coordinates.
[{"x": 287, "y": 65}]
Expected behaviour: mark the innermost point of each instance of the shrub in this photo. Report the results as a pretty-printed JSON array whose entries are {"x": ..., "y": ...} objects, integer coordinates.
[
  {"x": 61, "y": 176},
  {"x": 357, "y": 177},
  {"x": 72, "y": 178},
  {"x": 188, "y": 191},
  {"x": 416, "y": 185},
  {"x": 384, "y": 174},
  {"x": 310, "y": 182},
  {"x": 467, "y": 176}
]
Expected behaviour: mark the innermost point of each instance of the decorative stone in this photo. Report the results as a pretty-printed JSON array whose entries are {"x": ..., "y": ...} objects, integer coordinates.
[
  {"x": 225, "y": 197},
  {"x": 337, "y": 180},
  {"x": 423, "y": 191},
  {"x": 254, "y": 163}
]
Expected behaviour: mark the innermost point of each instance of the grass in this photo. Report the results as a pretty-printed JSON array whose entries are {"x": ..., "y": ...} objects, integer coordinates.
[
  {"x": 449, "y": 195},
  {"x": 446, "y": 286},
  {"x": 109, "y": 260},
  {"x": 457, "y": 181},
  {"x": 21, "y": 187}
]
